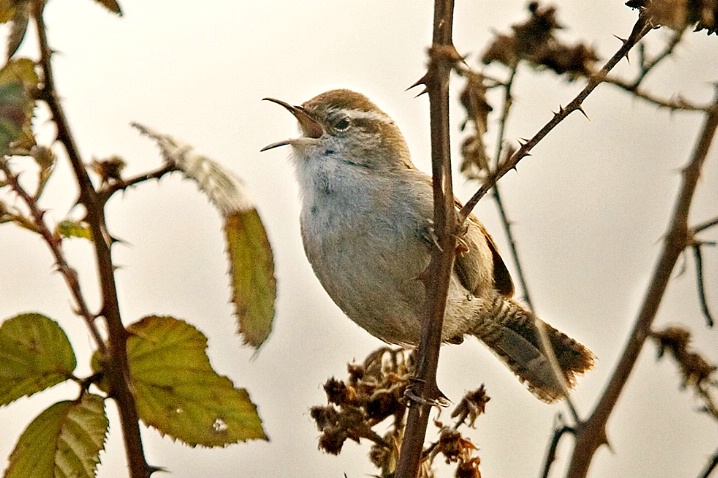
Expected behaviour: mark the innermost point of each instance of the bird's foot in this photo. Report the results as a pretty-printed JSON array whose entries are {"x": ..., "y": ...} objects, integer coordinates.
[
  {"x": 428, "y": 234},
  {"x": 421, "y": 392}
]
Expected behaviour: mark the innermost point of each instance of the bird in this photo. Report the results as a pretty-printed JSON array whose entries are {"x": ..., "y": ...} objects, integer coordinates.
[{"x": 366, "y": 226}]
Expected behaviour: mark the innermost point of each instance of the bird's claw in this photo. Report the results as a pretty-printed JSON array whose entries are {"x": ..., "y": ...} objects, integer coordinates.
[
  {"x": 429, "y": 234},
  {"x": 430, "y": 396}
]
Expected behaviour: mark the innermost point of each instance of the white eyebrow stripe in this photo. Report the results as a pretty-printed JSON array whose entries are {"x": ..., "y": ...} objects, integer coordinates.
[{"x": 369, "y": 115}]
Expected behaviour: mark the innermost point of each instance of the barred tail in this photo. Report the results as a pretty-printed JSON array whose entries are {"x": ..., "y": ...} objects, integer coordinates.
[{"x": 511, "y": 332}]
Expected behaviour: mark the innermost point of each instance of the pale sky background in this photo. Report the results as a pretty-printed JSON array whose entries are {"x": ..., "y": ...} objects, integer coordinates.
[{"x": 590, "y": 207}]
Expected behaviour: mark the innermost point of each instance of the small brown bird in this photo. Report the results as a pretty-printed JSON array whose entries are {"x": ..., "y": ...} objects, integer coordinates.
[{"x": 366, "y": 224}]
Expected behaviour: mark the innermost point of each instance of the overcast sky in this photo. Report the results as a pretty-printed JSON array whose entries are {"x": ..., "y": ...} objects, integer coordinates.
[{"x": 590, "y": 207}]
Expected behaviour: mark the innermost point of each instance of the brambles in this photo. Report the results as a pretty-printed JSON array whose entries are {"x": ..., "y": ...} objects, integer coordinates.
[{"x": 373, "y": 393}]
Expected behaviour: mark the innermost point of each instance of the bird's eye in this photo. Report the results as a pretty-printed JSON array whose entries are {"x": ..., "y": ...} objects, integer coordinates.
[{"x": 342, "y": 124}]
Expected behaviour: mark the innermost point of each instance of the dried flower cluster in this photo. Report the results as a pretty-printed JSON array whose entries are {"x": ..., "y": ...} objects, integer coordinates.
[
  {"x": 534, "y": 41},
  {"x": 679, "y": 15},
  {"x": 697, "y": 372},
  {"x": 476, "y": 162},
  {"x": 373, "y": 393},
  {"x": 109, "y": 169}
]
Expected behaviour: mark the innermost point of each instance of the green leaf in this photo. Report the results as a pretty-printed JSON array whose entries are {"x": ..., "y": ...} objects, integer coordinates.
[
  {"x": 177, "y": 391},
  {"x": 20, "y": 19},
  {"x": 7, "y": 10},
  {"x": 251, "y": 267},
  {"x": 64, "y": 441},
  {"x": 35, "y": 354},
  {"x": 69, "y": 228},
  {"x": 18, "y": 80}
]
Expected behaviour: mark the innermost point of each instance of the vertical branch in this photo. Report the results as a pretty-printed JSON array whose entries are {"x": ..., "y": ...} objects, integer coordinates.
[
  {"x": 591, "y": 434},
  {"x": 436, "y": 80},
  {"x": 117, "y": 365},
  {"x": 508, "y": 101}
]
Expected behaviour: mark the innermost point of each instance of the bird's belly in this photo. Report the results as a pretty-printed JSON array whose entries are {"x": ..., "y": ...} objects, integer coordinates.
[{"x": 371, "y": 269}]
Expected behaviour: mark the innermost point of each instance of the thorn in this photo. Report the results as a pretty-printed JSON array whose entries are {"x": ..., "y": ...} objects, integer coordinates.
[
  {"x": 153, "y": 469},
  {"x": 622, "y": 40},
  {"x": 421, "y": 81},
  {"x": 580, "y": 108}
]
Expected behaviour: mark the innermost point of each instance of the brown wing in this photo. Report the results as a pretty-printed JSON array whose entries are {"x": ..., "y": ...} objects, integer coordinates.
[
  {"x": 502, "y": 278},
  {"x": 470, "y": 261}
]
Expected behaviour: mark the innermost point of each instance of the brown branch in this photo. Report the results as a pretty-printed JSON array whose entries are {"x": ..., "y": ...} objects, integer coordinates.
[
  {"x": 677, "y": 104},
  {"x": 436, "y": 81},
  {"x": 640, "y": 29},
  {"x": 700, "y": 282},
  {"x": 648, "y": 65},
  {"x": 558, "y": 433},
  {"x": 545, "y": 342},
  {"x": 117, "y": 368},
  {"x": 705, "y": 225},
  {"x": 505, "y": 110},
  {"x": 107, "y": 191},
  {"x": 591, "y": 434},
  {"x": 710, "y": 466},
  {"x": 55, "y": 245}
]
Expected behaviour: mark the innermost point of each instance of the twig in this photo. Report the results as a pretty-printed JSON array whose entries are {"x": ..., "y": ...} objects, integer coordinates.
[
  {"x": 505, "y": 110},
  {"x": 709, "y": 405},
  {"x": 678, "y": 104},
  {"x": 436, "y": 81},
  {"x": 546, "y": 346},
  {"x": 591, "y": 434},
  {"x": 710, "y": 466},
  {"x": 640, "y": 29},
  {"x": 648, "y": 66},
  {"x": 698, "y": 255},
  {"x": 106, "y": 192},
  {"x": 558, "y": 433},
  {"x": 117, "y": 369},
  {"x": 705, "y": 225},
  {"x": 68, "y": 273}
]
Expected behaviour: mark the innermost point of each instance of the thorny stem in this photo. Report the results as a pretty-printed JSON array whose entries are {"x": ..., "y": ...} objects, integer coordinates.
[
  {"x": 545, "y": 342},
  {"x": 677, "y": 104},
  {"x": 640, "y": 29},
  {"x": 106, "y": 193},
  {"x": 117, "y": 367},
  {"x": 442, "y": 257},
  {"x": 697, "y": 254},
  {"x": 508, "y": 101},
  {"x": 54, "y": 243},
  {"x": 645, "y": 68},
  {"x": 591, "y": 434}
]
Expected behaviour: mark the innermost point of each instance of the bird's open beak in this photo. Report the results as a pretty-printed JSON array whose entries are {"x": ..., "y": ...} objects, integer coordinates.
[{"x": 311, "y": 128}]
